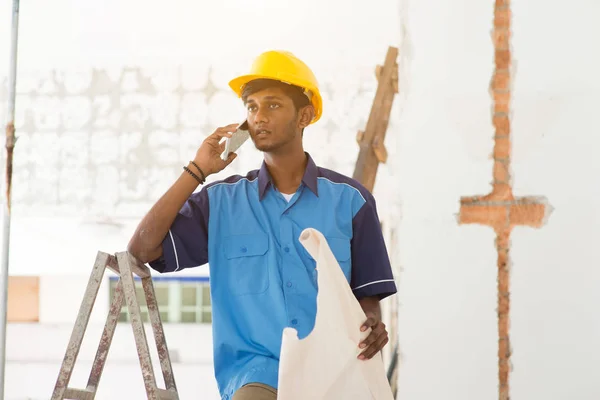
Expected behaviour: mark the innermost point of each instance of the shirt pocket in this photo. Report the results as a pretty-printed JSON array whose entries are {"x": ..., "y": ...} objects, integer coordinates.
[
  {"x": 341, "y": 249},
  {"x": 247, "y": 263}
]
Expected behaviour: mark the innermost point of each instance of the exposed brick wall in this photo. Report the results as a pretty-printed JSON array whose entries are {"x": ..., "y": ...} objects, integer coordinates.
[{"x": 500, "y": 209}]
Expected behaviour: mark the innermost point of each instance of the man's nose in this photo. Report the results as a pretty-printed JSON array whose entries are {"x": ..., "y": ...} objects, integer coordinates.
[{"x": 260, "y": 116}]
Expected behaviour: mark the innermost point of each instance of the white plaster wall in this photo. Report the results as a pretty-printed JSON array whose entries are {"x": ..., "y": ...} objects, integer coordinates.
[
  {"x": 439, "y": 142},
  {"x": 448, "y": 284}
]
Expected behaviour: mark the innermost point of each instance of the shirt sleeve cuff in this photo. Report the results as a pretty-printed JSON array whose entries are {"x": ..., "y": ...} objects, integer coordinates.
[
  {"x": 168, "y": 262},
  {"x": 381, "y": 288}
]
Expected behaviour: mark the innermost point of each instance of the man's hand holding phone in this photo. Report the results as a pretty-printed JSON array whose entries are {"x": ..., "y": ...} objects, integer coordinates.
[{"x": 208, "y": 156}]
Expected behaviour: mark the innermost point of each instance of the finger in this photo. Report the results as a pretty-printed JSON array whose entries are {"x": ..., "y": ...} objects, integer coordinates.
[
  {"x": 376, "y": 331},
  {"x": 368, "y": 323},
  {"x": 227, "y": 128},
  {"x": 369, "y": 340},
  {"x": 224, "y": 131},
  {"x": 218, "y": 135},
  {"x": 375, "y": 347}
]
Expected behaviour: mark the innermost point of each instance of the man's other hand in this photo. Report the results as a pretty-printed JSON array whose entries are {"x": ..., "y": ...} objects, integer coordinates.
[{"x": 376, "y": 340}]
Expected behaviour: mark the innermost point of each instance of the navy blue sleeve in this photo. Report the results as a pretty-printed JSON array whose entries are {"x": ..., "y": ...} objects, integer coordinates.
[
  {"x": 186, "y": 243},
  {"x": 371, "y": 270}
]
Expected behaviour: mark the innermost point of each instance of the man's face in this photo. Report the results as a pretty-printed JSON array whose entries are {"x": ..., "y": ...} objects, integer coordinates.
[{"x": 272, "y": 119}]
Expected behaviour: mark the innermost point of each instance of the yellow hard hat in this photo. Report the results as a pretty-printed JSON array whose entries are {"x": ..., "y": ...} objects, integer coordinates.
[{"x": 285, "y": 67}]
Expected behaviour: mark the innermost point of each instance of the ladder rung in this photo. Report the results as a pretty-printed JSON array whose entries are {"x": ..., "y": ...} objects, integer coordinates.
[
  {"x": 78, "y": 394},
  {"x": 167, "y": 394}
]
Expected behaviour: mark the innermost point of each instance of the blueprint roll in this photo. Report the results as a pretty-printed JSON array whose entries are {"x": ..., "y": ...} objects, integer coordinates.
[{"x": 324, "y": 365}]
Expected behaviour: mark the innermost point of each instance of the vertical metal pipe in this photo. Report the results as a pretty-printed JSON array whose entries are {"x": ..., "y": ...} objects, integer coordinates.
[{"x": 10, "y": 143}]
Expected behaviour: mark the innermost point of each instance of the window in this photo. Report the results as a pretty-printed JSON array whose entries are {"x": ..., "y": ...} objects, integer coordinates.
[{"x": 180, "y": 300}]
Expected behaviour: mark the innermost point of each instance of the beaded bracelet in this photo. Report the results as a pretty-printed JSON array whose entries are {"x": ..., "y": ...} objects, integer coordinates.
[
  {"x": 199, "y": 170},
  {"x": 189, "y": 171}
]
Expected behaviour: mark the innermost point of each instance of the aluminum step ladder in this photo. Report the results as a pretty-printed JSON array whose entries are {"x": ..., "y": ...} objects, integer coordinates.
[{"x": 124, "y": 265}]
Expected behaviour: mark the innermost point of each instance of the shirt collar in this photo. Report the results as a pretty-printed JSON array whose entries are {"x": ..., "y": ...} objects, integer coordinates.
[{"x": 309, "y": 179}]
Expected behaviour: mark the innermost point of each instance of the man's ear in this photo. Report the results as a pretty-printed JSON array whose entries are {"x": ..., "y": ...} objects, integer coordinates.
[{"x": 307, "y": 113}]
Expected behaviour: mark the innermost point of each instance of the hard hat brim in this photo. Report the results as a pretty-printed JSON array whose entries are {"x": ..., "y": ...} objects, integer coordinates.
[{"x": 237, "y": 84}]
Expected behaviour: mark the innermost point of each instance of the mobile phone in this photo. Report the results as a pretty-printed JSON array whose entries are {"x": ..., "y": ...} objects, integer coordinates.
[{"x": 236, "y": 140}]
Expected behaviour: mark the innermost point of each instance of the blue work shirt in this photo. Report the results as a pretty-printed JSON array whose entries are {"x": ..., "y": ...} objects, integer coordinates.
[{"x": 261, "y": 278}]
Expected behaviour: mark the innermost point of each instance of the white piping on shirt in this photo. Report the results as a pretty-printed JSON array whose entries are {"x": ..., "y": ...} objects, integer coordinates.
[
  {"x": 343, "y": 183},
  {"x": 372, "y": 283},
  {"x": 174, "y": 250},
  {"x": 232, "y": 183}
]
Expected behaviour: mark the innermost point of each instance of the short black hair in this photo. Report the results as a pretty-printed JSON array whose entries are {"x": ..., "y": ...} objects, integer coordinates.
[{"x": 296, "y": 93}]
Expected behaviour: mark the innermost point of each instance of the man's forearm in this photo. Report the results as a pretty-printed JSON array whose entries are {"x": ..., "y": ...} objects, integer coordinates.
[{"x": 146, "y": 242}]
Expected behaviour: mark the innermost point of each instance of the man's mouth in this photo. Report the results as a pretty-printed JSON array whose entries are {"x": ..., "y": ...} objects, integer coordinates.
[{"x": 261, "y": 132}]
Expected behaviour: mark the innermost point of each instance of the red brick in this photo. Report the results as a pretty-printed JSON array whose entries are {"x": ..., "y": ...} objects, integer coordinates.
[
  {"x": 502, "y": 124},
  {"x": 502, "y": 264},
  {"x": 501, "y": 39},
  {"x": 527, "y": 214},
  {"x": 503, "y": 325},
  {"x": 501, "y": 80},
  {"x": 502, "y": 108},
  {"x": 503, "y": 348},
  {"x": 503, "y": 272},
  {"x": 502, "y": 148},
  {"x": 465, "y": 201},
  {"x": 501, "y": 192},
  {"x": 502, "y": 58},
  {"x": 501, "y": 101},
  {"x": 503, "y": 239},
  {"x": 502, "y": 18},
  {"x": 493, "y": 216},
  {"x": 501, "y": 172}
]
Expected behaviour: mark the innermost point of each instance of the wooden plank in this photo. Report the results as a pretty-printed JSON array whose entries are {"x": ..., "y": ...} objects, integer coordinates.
[
  {"x": 372, "y": 150},
  {"x": 23, "y": 299}
]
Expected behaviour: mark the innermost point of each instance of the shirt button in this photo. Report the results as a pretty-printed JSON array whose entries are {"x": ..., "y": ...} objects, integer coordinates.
[
  {"x": 286, "y": 249},
  {"x": 289, "y": 284},
  {"x": 243, "y": 249},
  {"x": 294, "y": 321}
]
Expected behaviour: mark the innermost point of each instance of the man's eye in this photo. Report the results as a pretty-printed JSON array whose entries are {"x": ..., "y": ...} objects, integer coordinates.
[
  {"x": 274, "y": 105},
  {"x": 251, "y": 108}
]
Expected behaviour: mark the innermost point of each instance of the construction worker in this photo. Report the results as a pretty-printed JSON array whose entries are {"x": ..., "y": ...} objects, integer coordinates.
[{"x": 247, "y": 228}]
